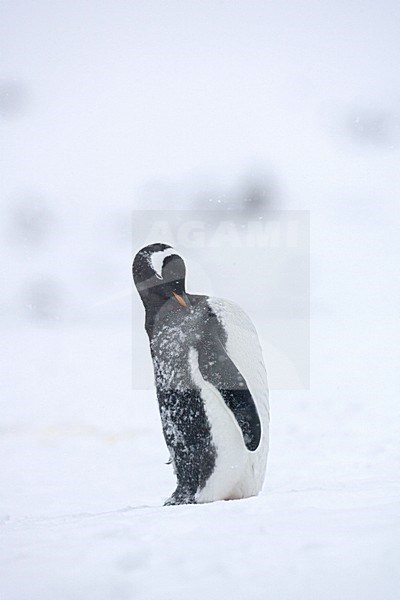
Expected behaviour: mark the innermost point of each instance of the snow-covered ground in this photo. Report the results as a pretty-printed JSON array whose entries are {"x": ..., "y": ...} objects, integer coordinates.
[
  {"x": 107, "y": 109},
  {"x": 84, "y": 480}
]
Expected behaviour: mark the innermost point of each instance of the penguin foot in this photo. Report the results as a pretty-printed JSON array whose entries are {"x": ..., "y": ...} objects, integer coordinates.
[{"x": 180, "y": 497}]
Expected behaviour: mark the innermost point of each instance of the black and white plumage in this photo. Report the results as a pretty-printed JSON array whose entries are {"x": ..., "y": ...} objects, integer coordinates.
[{"x": 211, "y": 383}]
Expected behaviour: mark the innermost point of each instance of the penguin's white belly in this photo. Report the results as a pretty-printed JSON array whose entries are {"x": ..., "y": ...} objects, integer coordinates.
[
  {"x": 233, "y": 461},
  {"x": 238, "y": 472}
]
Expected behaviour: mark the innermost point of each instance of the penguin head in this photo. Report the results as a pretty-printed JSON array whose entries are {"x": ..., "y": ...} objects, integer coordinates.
[{"x": 159, "y": 275}]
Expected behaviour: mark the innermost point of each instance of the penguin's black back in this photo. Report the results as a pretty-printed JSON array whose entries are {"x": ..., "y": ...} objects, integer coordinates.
[{"x": 185, "y": 424}]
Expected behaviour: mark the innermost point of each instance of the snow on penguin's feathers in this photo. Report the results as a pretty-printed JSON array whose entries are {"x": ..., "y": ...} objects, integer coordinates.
[{"x": 211, "y": 383}]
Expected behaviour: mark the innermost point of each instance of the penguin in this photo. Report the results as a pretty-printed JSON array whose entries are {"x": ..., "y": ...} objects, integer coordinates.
[{"x": 210, "y": 380}]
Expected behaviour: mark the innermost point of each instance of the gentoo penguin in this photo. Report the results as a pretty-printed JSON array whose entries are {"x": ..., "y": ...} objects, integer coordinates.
[{"x": 211, "y": 383}]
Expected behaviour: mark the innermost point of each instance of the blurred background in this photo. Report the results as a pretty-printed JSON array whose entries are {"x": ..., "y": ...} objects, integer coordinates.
[
  {"x": 254, "y": 107},
  {"x": 109, "y": 108}
]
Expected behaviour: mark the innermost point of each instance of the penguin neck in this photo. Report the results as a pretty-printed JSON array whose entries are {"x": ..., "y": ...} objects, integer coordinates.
[{"x": 153, "y": 308}]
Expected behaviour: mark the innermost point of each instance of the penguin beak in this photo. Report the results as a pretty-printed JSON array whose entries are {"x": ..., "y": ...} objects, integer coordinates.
[{"x": 184, "y": 302}]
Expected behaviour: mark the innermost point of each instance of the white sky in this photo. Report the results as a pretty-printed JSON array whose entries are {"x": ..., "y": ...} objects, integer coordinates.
[{"x": 123, "y": 93}]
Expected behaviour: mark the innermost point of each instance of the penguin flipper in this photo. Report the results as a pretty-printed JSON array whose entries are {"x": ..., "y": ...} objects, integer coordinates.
[{"x": 217, "y": 368}]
